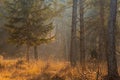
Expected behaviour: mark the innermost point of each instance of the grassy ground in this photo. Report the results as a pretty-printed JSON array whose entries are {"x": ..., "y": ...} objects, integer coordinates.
[{"x": 44, "y": 70}]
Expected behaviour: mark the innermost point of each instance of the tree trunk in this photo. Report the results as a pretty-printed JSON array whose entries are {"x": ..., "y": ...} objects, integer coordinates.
[
  {"x": 27, "y": 53},
  {"x": 82, "y": 33},
  {"x": 35, "y": 53},
  {"x": 73, "y": 34},
  {"x": 101, "y": 33},
  {"x": 111, "y": 55}
]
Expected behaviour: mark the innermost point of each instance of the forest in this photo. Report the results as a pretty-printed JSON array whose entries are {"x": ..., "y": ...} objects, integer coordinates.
[{"x": 59, "y": 40}]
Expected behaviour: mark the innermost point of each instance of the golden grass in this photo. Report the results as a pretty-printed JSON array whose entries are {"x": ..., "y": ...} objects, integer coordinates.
[{"x": 43, "y": 70}]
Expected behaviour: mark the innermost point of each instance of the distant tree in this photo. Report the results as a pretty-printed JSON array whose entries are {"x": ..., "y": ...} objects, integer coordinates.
[
  {"x": 82, "y": 34},
  {"x": 27, "y": 23},
  {"x": 73, "y": 34},
  {"x": 102, "y": 32}
]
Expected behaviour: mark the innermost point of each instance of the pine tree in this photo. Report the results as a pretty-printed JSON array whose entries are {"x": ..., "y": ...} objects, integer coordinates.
[{"x": 28, "y": 23}]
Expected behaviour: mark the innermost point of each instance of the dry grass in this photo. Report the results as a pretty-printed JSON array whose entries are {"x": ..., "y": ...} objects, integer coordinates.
[{"x": 41, "y": 70}]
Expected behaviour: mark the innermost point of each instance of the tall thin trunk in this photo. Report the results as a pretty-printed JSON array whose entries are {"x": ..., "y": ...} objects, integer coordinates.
[
  {"x": 82, "y": 33},
  {"x": 73, "y": 34},
  {"x": 111, "y": 56},
  {"x": 35, "y": 53},
  {"x": 101, "y": 32},
  {"x": 27, "y": 53}
]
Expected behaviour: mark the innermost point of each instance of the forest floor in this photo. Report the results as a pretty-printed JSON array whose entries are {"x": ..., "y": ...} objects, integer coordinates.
[{"x": 44, "y": 70}]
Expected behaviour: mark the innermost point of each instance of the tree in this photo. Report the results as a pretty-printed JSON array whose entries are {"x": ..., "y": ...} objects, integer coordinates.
[
  {"x": 111, "y": 55},
  {"x": 35, "y": 53},
  {"x": 82, "y": 35},
  {"x": 28, "y": 23},
  {"x": 101, "y": 31},
  {"x": 73, "y": 34}
]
